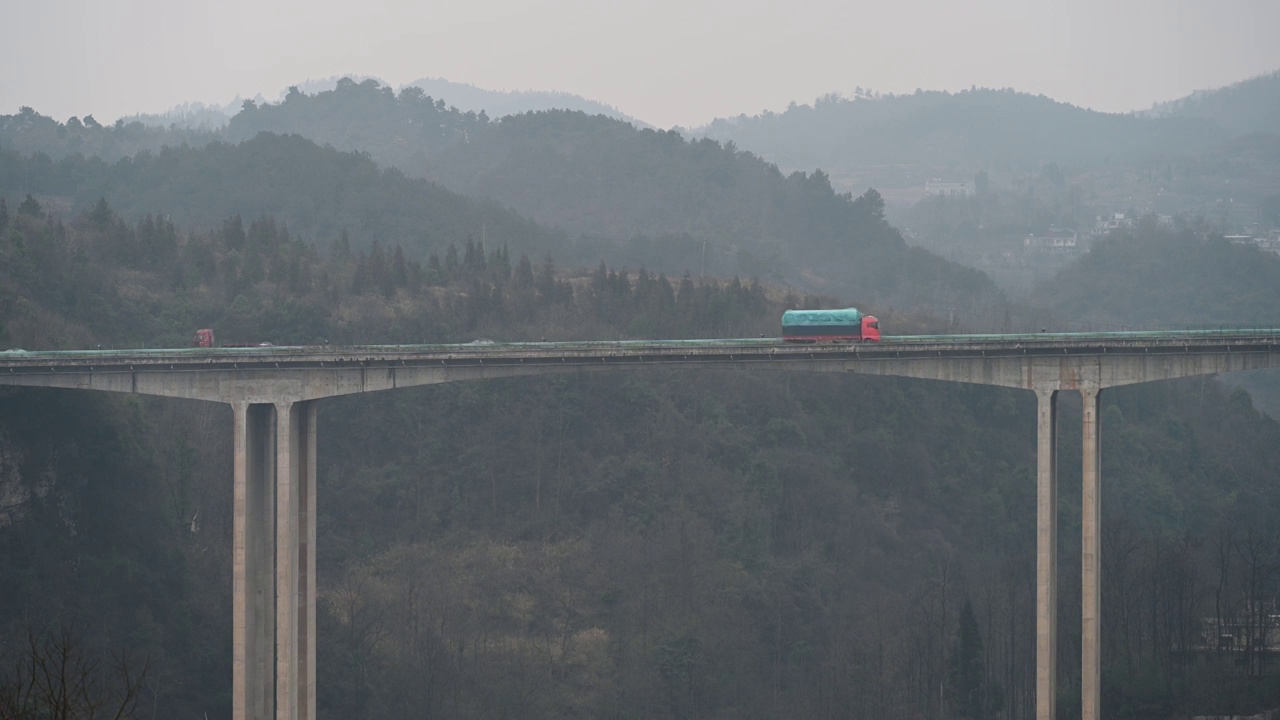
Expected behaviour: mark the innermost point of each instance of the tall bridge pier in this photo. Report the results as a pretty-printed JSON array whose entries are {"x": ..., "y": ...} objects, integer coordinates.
[
  {"x": 273, "y": 394},
  {"x": 273, "y": 560},
  {"x": 1047, "y": 554}
]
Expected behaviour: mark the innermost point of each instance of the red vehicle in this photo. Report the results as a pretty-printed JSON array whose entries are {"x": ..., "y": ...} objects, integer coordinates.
[
  {"x": 833, "y": 326},
  {"x": 204, "y": 339}
]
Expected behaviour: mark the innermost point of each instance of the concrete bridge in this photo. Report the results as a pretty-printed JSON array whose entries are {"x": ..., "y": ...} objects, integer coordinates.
[{"x": 273, "y": 392}]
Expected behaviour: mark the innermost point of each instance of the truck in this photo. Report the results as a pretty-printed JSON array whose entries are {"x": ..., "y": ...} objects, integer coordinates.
[
  {"x": 205, "y": 339},
  {"x": 829, "y": 326}
]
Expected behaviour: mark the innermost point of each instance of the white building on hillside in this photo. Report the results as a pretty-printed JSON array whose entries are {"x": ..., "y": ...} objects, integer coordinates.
[{"x": 948, "y": 188}]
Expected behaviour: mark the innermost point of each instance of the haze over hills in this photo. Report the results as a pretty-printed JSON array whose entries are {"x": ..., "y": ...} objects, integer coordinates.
[
  {"x": 499, "y": 103},
  {"x": 464, "y": 96},
  {"x": 636, "y": 197},
  {"x": 979, "y": 127},
  {"x": 1249, "y": 106},
  {"x": 654, "y": 545}
]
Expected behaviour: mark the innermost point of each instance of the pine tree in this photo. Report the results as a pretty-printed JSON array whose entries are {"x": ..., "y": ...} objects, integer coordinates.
[
  {"x": 469, "y": 256},
  {"x": 435, "y": 273},
  {"x": 30, "y": 207},
  {"x": 342, "y": 248},
  {"x": 233, "y": 235},
  {"x": 451, "y": 262},
  {"x": 524, "y": 272},
  {"x": 399, "y": 270},
  {"x": 967, "y": 678},
  {"x": 100, "y": 217}
]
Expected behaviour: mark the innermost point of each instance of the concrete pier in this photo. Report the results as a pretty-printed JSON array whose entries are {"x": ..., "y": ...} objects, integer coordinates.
[
  {"x": 273, "y": 573},
  {"x": 253, "y": 566},
  {"x": 1046, "y": 553},
  {"x": 1091, "y": 560}
]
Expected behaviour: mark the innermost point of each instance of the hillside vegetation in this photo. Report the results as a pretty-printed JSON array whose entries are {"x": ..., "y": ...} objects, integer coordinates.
[
  {"x": 657, "y": 544},
  {"x": 1176, "y": 278},
  {"x": 1249, "y": 106},
  {"x": 637, "y": 197}
]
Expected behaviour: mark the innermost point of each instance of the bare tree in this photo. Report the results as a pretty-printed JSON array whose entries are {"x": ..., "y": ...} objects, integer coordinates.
[{"x": 55, "y": 679}]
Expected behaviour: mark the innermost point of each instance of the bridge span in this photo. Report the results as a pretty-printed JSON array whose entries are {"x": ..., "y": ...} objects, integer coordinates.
[{"x": 273, "y": 393}]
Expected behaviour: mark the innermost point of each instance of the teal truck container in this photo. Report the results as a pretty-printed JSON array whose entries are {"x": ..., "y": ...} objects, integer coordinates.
[{"x": 847, "y": 325}]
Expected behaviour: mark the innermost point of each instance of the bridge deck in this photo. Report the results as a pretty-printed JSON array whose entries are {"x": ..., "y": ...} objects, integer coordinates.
[{"x": 635, "y": 351}]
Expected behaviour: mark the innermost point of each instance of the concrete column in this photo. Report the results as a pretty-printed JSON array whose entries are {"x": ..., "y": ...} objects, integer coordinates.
[
  {"x": 288, "y": 453},
  {"x": 1091, "y": 561},
  {"x": 306, "y": 434},
  {"x": 1046, "y": 553},
  {"x": 253, "y": 563}
]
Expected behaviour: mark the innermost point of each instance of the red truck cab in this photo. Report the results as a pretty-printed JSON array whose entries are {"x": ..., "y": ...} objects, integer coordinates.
[
  {"x": 203, "y": 339},
  {"x": 870, "y": 328}
]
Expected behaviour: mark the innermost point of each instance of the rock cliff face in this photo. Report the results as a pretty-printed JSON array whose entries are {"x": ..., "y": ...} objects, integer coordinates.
[{"x": 14, "y": 493}]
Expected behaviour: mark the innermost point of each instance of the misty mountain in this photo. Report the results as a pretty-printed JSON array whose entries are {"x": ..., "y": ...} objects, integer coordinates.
[
  {"x": 634, "y": 197},
  {"x": 190, "y": 116},
  {"x": 1249, "y": 106},
  {"x": 498, "y": 103},
  {"x": 975, "y": 129},
  {"x": 29, "y": 133},
  {"x": 661, "y": 200},
  {"x": 318, "y": 192}
]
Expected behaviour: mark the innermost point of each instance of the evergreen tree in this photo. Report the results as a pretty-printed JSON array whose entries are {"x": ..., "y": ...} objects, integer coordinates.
[
  {"x": 469, "y": 256},
  {"x": 546, "y": 280},
  {"x": 500, "y": 264},
  {"x": 968, "y": 681},
  {"x": 342, "y": 248},
  {"x": 451, "y": 262},
  {"x": 233, "y": 235},
  {"x": 29, "y": 207},
  {"x": 101, "y": 215},
  {"x": 435, "y": 273},
  {"x": 399, "y": 269},
  {"x": 524, "y": 273}
]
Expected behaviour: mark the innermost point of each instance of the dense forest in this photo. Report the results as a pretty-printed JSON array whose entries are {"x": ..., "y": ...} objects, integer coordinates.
[
  {"x": 658, "y": 544},
  {"x": 686, "y": 207},
  {"x": 1155, "y": 276}
]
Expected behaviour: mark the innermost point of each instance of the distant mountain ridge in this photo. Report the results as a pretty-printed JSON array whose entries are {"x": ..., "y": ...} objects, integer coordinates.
[
  {"x": 464, "y": 96},
  {"x": 1249, "y": 106},
  {"x": 499, "y": 103},
  {"x": 971, "y": 129}
]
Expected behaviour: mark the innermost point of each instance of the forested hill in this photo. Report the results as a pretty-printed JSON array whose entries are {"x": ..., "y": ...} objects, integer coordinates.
[
  {"x": 670, "y": 203},
  {"x": 1158, "y": 276},
  {"x": 632, "y": 197},
  {"x": 498, "y": 104},
  {"x": 652, "y": 544},
  {"x": 29, "y": 133},
  {"x": 971, "y": 129},
  {"x": 1249, "y": 106},
  {"x": 320, "y": 193}
]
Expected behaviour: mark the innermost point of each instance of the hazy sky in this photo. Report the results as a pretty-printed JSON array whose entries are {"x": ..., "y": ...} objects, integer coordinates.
[{"x": 663, "y": 61}]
